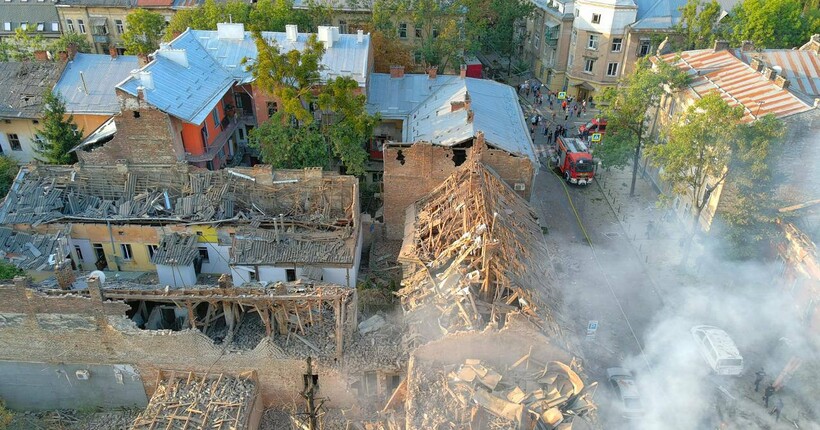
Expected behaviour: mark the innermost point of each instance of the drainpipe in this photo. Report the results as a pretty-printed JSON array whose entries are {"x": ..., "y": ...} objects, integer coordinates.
[{"x": 113, "y": 247}]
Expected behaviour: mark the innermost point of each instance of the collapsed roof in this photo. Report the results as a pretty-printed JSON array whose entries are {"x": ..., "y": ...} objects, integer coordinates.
[
  {"x": 23, "y": 87},
  {"x": 473, "y": 252}
]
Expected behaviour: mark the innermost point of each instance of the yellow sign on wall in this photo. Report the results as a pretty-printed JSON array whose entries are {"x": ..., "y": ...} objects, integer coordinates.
[
  {"x": 562, "y": 95},
  {"x": 596, "y": 137}
]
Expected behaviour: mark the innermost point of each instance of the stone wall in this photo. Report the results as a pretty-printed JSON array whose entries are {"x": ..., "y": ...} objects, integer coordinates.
[
  {"x": 411, "y": 172},
  {"x": 74, "y": 329}
]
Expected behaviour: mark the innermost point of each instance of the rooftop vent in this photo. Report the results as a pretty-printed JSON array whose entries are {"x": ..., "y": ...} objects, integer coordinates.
[
  {"x": 291, "y": 30},
  {"x": 178, "y": 56},
  {"x": 233, "y": 31}
]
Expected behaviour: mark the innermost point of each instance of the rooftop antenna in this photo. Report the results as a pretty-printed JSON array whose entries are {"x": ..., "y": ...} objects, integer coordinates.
[
  {"x": 85, "y": 87},
  {"x": 230, "y": 18}
]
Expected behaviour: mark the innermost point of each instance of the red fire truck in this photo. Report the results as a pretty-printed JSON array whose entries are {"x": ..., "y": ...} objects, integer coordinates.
[{"x": 574, "y": 160}]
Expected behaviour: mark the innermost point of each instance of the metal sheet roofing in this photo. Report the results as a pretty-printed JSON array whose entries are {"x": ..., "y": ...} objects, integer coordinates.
[
  {"x": 176, "y": 249},
  {"x": 495, "y": 107},
  {"x": 737, "y": 83},
  {"x": 657, "y": 14},
  {"x": 347, "y": 57},
  {"x": 89, "y": 94},
  {"x": 23, "y": 85},
  {"x": 18, "y": 12},
  {"x": 186, "y": 92},
  {"x": 801, "y": 68}
]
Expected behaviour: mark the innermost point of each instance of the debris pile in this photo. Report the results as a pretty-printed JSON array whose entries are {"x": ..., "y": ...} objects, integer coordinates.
[
  {"x": 529, "y": 395},
  {"x": 377, "y": 345},
  {"x": 200, "y": 401}
]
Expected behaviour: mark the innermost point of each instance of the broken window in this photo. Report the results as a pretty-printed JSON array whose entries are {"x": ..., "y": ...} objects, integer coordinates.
[
  {"x": 203, "y": 254},
  {"x": 400, "y": 157},
  {"x": 79, "y": 252},
  {"x": 290, "y": 275},
  {"x": 126, "y": 251},
  {"x": 152, "y": 249},
  {"x": 14, "y": 142},
  {"x": 459, "y": 156},
  {"x": 272, "y": 108}
]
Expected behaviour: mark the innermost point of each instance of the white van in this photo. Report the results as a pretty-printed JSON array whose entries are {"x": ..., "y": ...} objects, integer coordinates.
[{"x": 718, "y": 349}]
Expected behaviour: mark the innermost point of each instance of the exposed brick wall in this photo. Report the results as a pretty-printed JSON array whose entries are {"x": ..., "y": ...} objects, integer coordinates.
[
  {"x": 115, "y": 340},
  {"x": 150, "y": 139},
  {"x": 426, "y": 166}
]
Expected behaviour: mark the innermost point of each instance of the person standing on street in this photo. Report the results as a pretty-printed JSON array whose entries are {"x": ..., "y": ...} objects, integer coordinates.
[
  {"x": 778, "y": 408},
  {"x": 768, "y": 393},
  {"x": 759, "y": 375}
]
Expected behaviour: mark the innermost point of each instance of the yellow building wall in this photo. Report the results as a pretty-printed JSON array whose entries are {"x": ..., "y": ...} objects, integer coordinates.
[
  {"x": 139, "y": 237},
  {"x": 88, "y": 123}
]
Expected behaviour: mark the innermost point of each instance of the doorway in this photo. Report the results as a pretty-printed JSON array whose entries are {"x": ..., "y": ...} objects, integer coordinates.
[{"x": 99, "y": 252}]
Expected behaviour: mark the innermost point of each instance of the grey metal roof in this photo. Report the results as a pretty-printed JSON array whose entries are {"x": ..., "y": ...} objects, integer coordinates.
[
  {"x": 257, "y": 246},
  {"x": 346, "y": 57},
  {"x": 94, "y": 93},
  {"x": 176, "y": 249},
  {"x": 17, "y": 12},
  {"x": 495, "y": 107},
  {"x": 188, "y": 93},
  {"x": 657, "y": 14},
  {"x": 23, "y": 85},
  {"x": 28, "y": 250},
  {"x": 98, "y": 3}
]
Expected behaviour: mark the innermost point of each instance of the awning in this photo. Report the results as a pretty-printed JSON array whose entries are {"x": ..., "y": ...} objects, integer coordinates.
[
  {"x": 585, "y": 86},
  {"x": 97, "y": 21}
]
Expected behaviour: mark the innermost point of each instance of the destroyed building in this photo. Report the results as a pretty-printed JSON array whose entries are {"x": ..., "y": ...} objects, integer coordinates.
[{"x": 180, "y": 221}]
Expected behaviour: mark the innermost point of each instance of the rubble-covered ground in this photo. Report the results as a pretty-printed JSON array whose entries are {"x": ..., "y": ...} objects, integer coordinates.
[{"x": 65, "y": 419}]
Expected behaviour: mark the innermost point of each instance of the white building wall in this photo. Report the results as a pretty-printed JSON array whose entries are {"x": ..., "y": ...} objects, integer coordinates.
[
  {"x": 176, "y": 276},
  {"x": 25, "y": 130},
  {"x": 272, "y": 274},
  {"x": 218, "y": 256},
  {"x": 613, "y": 19},
  {"x": 87, "y": 252},
  {"x": 338, "y": 275},
  {"x": 241, "y": 274}
]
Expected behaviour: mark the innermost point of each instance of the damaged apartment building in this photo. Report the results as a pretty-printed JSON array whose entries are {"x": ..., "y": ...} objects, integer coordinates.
[{"x": 430, "y": 122}]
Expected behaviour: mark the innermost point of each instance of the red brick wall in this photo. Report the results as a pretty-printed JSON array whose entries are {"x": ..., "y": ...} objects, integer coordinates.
[
  {"x": 144, "y": 140},
  {"x": 426, "y": 166}
]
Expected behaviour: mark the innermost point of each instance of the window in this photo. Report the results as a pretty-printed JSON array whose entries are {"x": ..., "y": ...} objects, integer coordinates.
[
  {"x": 612, "y": 69},
  {"x": 14, "y": 142},
  {"x": 272, "y": 108},
  {"x": 79, "y": 252},
  {"x": 120, "y": 27},
  {"x": 7, "y": 26},
  {"x": 240, "y": 132},
  {"x": 616, "y": 44},
  {"x": 24, "y": 25},
  {"x": 646, "y": 44},
  {"x": 418, "y": 32},
  {"x": 342, "y": 27},
  {"x": 536, "y": 40},
  {"x": 125, "y": 248},
  {"x": 70, "y": 25},
  {"x": 81, "y": 26},
  {"x": 204, "y": 132},
  {"x": 101, "y": 29},
  {"x": 55, "y": 26},
  {"x": 39, "y": 142},
  {"x": 403, "y": 30},
  {"x": 203, "y": 254},
  {"x": 290, "y": 274},
  {"x": 588, "y": 64},
  {"x": 215, "y": 117},
  {"x": 152, "y": 249},
  {"x": 596, "y": 18},
  {"x": 592, "y": 43},
  {"x": 41, "y": 26},
  {"x": 417, "y": 57}
]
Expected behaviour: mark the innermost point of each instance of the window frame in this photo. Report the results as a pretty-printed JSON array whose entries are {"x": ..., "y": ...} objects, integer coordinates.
[
  {"x": 417, "y": 31},
  {"x": 272, "y": 108},
  {"x": 609, "y": 71},
  {"x": 7, "y": 26},
  {"x": 127, "y": 252},
  {"x": 55, "y": 26},
  {"x": 204, "y": 256},
  {"x": 215, "y": 117},
  {"x": 644, "y": 43},
  {"x": 120, "y": 26},
  {"x": 594, "y": 16},
  {"x": 589, "y": 65},
  {"x": 69, "y": 23},
  {"x": 617, "y": 41},
  {"x": 152, "y": 250},
  {"x": 402, "y": 30},
  {"x": 81, "y": 26},
  {"x": 14, "y": 142},
  {"x": 593, "y": 40}
]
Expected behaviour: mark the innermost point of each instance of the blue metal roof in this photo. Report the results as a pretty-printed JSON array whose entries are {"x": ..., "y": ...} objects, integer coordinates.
[
  {"x": 94, "y": 93},
  {"x": 657, "y": 14},
  {"x": 186, "y": 92}
]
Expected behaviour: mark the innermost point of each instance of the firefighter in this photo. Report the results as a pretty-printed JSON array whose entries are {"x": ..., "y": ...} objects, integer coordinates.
[
  {"x": 768, "y": 393},
  {"x": 759, "y": 375}
]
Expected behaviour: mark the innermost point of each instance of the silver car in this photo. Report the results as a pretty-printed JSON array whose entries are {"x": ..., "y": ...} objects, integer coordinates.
[{"x": 623, "y": 382}]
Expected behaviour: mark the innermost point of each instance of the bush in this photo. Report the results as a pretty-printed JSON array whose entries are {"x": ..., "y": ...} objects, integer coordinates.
[{"x": 9, "y": 271}]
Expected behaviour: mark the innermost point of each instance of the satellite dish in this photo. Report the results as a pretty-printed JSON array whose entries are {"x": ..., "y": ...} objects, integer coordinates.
[{"x": 99, "y": 274}]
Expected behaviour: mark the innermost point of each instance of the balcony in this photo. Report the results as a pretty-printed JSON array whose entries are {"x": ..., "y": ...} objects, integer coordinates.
[
  {"x": 229, "y": 125},
  {"x": 100, "y": 38}
]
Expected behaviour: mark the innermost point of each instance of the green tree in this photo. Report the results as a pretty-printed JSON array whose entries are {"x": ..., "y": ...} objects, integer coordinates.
[
  {"x": 627, "y": 109},
  {"x": 61, "y": 44},
  {"x": 773, "y": 23},
  {"x": 58, "y": 132},
  {"x": 501, "y": 21},
  {"x": 8, "y": 171},
  {"x": 274, "y": 15},
  {"x": 7, "y": 271},
  {"x": 695, "y": 158},
  {"x": 293, "y": 78},
  {"x": 388, "y": 51},
  {"x": 143, "y": 32},
  {"x": 22, "y": 45},
  {"x": 699, "y": 23},
  {"x": 749, "y": 203},
  {"x": 265, "y": 15}
]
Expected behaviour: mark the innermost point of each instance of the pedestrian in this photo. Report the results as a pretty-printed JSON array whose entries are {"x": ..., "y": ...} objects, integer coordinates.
[
  {"x": 532, "y": 131},
  {"x": 546, "y": 130},
  {"x": 759, "y": 375},
  {"x": 553, "y": 115},
  {"x": 564, "y": 105},
  {"x": 539, "y": 119},
  {"x": 768, "y": 393},
  {"x": 578, "y": 111},
  {"x": 778, "y": 408},
  {"x": 566, "y": 116},
  {"x": 584, "y": 105},
  {"x": 549, "y": 136},
  {"x": 534, "y": 120}
]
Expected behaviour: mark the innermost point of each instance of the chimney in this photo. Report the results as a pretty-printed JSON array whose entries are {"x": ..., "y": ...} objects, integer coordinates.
[
  {"x": 721, "y": 45},
  {"x": 113, "y": 52},
  {"x": 479, "y": 139},
  {"x": 360, "y": 36},
  {"x": 769, "y": 73},
  {"x": 142, "y": 59},
  {"x": 432, "y": 72},
  {"x": 470, "y": 115},
  {"x": 326, "y": 35},
  {"x": 179, "y": 56},
  {"x": 462, "y": 73},
  {"x": 396, "y": 71},
  {"x": 40, "y": 55},
  {"x": 147, "y": 80},
  {"x": 756, "y": 64},
  {"x": 747, "y": 46},
  {"x": 230, "y": 30},
  {"x": 63, "y": 56},
  {"x": 292, "y": 31},
  {"x": 72, "y": 51},
  {"x": 334, "y": 31},
  {"x": 454, "y": 106},
  {"x": 781, "y": 82}
]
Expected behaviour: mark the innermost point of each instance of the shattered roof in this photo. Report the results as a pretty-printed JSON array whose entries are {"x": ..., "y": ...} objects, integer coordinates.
[
  {"x": 474, "y": 230},
  {"x": 801, "y": 68},
  {"x": 307, "y": 204},
  {"x": 176, "y": 249},
  {"x": 28, "y": 250},
  {"x": 272, "y": 247},
  {"x": 736, "y": 82},
  {"x": 89, "y": 94},
  {"x": 23, "y": 86},
  {"x": 426, "y": 105}
]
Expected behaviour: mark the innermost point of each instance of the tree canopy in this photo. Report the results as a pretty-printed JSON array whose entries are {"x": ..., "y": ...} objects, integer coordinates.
[
  {"x": 59, "y": 133},
  {"x": 774, "y": 23},
  {"x": 316, "y": 120},
  {"x": 627, "y": 109},
  {"x": 65, "y": 39},
  {"x": 22, "y": 45},
  {"x": 143, "y": 31},
  {"x": 8, "y": 171},
  {"x": 699, "y": 23}
]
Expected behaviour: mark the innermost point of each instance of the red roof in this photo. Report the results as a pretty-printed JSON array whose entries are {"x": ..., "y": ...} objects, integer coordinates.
[{"x": 737, "y": 83}]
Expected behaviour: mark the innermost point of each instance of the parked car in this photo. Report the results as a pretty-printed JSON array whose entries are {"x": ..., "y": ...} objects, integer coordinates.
[
  {"x": 623, "y": 382},
  {"x": 718, "y": 349}
]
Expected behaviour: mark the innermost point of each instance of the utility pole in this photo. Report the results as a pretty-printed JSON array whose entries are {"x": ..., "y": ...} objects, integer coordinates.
[{"x": 308, "y": 394}]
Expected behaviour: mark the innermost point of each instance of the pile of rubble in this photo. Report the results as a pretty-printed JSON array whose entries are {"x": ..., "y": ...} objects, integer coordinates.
[
  {"x": 529, "y": 395},
  {"x": 377, "y": 345},
  {"x": 195, "y": 401}
]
